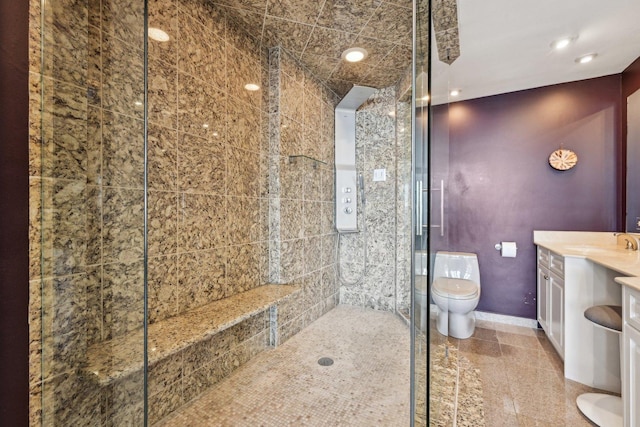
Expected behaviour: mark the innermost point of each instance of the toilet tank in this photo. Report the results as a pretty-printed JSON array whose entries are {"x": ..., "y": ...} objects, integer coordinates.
[{"x": 457, "y": 265}]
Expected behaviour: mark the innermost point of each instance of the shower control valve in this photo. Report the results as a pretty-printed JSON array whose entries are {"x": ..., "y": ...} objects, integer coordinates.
[
  {"x": 348, "y": 210},
  {"x": 346, "y": 200},
  {"x": 346, "y": 190}
]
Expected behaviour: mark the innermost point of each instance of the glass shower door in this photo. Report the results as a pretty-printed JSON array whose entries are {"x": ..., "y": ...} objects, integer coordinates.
[
  {"x": 420, "y": 217},
  {"x": 434, "y": 363},
  {"x": 88, "y": 240}
]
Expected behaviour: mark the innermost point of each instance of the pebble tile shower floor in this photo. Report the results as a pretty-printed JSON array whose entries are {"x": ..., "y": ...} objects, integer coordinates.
[{"x": 367, "y": 385}]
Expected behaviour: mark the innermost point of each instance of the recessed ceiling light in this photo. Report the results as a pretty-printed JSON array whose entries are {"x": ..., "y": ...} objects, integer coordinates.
[
  {"x": 424, "y": 98},
  {"x": 455, "y": 92},
  {"x": 205, "y": 126},
  {"x": 562, "y": 43},
  {"x": 586, "y": 58},
  {"x": 158, "y": 35},
  {"x": 252, "y": 87},
  {"x": 354, "y": 54}
]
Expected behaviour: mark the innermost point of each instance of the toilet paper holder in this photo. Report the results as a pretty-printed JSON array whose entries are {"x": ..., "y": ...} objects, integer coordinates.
[
  {"x": 507, "y": 249},
  {"x": 498, "y": 246}
]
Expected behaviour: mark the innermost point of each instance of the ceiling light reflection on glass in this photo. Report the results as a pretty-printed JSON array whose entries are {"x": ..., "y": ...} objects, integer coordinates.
[
  {"x": 158, "y": 35},
  {"x": 354, "y": 54},
  {"x": 455, "y": 92}
]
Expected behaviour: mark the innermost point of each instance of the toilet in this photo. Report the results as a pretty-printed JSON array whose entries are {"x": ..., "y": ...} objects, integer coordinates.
[{"x": 456, "y": 291}]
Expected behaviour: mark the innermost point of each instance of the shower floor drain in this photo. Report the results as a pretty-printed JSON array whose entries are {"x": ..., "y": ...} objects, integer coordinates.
[{"x": 325, "y": 361}]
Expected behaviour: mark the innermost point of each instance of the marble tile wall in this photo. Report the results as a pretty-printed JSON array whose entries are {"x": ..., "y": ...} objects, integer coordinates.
[{"x": 301, "y": 190}]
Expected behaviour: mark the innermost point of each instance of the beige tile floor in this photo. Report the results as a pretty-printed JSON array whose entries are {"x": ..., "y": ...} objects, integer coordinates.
[
  {"x": 519, "y": 376},
  {"x": 522, "y": 377}
]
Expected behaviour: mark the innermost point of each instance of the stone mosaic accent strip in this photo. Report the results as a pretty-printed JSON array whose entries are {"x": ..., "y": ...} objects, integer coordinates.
[
  {"x": 445, "y": 26},
  {"x": 301, "y": 183}
]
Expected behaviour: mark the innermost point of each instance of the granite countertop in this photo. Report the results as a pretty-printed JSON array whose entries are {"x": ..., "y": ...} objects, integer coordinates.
[{"x": 600, "y": 248}]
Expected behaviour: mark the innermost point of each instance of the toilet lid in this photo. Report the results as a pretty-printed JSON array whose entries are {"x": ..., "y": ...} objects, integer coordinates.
[{"x": 455, "y": 288}]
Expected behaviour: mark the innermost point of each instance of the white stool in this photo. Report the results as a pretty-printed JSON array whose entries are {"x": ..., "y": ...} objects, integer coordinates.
[{"x": 605, "y": 410}]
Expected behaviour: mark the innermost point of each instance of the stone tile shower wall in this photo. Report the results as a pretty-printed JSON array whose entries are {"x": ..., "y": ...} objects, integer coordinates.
[
  {"x": 86, "y": 196},
  {"x": 211, "y": 187},
  {"x": 375, "y": 149},
  {"x": 404, "y": 197},
  {"x": 383, "y": 141},
  {"x": 301, "y": 190},
  {"x": 229, "y": 209},
  {"x": 207, "y": 217}
]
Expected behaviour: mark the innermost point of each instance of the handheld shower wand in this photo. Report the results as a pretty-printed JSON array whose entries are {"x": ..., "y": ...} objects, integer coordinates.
[{"x": 361, "y": 185}]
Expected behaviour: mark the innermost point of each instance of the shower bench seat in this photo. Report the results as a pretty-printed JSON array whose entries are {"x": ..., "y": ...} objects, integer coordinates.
[{"x": 256, "y": 309}]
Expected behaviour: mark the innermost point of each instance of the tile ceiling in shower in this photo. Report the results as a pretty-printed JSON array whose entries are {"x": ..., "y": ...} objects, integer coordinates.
[{"x": 317, "y": 32}]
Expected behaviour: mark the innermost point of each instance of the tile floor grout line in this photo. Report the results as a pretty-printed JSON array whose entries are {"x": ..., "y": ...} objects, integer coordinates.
[{"x": 456, "y": 394}]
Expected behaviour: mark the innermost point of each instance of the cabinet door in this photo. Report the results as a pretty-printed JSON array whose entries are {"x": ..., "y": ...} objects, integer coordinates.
[
  {"x": 556, "y": 313},
  {"x": 631, "y": 377},
  {"x": 543, "y": 298}
]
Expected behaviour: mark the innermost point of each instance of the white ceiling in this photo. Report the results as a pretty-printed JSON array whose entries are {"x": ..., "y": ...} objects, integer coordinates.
[{"x": 505, "y": 44}]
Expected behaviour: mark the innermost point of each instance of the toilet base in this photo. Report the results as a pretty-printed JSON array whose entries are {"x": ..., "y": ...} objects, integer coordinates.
[{"x": 456, "y": 325}]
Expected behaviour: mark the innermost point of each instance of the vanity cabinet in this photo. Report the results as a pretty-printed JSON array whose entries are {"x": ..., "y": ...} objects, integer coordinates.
[
  {"x": 631, "y": 357},
  {"x": 551, "y": 297}
]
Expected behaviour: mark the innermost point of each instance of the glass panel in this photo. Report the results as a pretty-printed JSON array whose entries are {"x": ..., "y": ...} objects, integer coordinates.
[
  {"x": 442, "y": 356},
  {"x": 88, "y": 212},
  {"x": 420, "y": 233}
]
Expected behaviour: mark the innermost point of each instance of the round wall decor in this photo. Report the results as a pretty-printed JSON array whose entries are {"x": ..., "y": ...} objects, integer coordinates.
[{"x": 563, "y": 159}]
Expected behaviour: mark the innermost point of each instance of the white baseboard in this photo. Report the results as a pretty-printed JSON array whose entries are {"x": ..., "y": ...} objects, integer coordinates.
[
  {"x": 507, "y": 320},
  {"x": 499, "y": 318}
]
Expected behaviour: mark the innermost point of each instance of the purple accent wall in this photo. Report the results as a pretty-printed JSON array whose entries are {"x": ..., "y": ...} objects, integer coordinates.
[
  {"x": 501, "y": 186},
  {"x": 14, "y": 213},
  {"x": 630, "y": 84}
]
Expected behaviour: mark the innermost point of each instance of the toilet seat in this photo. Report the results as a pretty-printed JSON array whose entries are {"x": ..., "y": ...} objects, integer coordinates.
[{"x": 460, "y": 289}]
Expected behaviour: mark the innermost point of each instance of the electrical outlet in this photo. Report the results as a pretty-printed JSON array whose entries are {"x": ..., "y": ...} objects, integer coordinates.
[{"x": 638, "y": 223}]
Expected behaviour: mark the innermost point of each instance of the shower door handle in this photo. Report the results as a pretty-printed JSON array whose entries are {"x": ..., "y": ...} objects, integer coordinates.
[
  {"x": 441, "y": 225},
  {"x": 419, "y": 193},
  {"x": 442, "y": 208}
]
